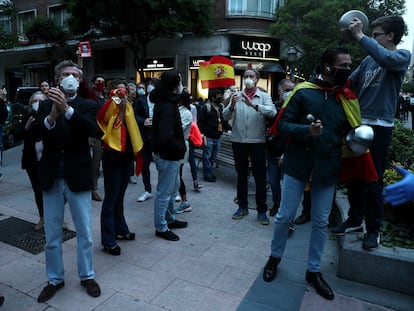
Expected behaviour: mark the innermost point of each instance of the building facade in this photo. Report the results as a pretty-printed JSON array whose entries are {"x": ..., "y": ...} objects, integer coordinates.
[{"x": 240, "y": 33}]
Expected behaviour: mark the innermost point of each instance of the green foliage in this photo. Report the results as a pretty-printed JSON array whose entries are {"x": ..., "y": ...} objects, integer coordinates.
[
  {"x": 44, "y": 30},
  {"x": 402, "y": 145},
  {"x": 137, "y": 22},
  {"x": 408, "y": 87},
  {"x": 398, "y": 224},
  {"x": 7, "y": 8},
  {"x": 312, "y": 26},
  {"x": 7, "y": 40}
]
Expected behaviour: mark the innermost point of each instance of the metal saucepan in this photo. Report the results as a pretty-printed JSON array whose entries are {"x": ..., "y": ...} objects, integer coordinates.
[
  {"x": 347, "y": 18},
  {"x": 359, "y": 139}
]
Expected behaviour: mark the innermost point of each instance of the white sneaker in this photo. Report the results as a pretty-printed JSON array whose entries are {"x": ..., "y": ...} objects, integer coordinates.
[
  {"x": 132, "y": 180},
  {"x": 145, "y": 196},
  {"x": 178, "y": 198}
]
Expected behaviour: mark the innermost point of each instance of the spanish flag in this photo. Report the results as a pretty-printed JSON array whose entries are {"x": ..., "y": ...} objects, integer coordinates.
[
  {"x": 217, "y": 72},
  {"x": 354, "y": 167},
  {"x": 115, "y": 130}
]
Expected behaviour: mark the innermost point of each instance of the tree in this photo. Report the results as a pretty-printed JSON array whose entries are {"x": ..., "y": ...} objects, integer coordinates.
[
  {"x": 44, "y": 29},
  {"x": 137, "y": 22},
  {"x": 7, "y": 40},
  {"x": 312, "y": 26},
  {"x": 408, "y": 87}
]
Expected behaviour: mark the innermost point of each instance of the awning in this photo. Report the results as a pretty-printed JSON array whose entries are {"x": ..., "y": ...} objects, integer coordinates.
[{"x": 259, "y": 65}]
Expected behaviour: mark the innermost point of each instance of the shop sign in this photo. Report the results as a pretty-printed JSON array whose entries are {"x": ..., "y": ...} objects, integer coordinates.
[
  {"x": 254, "y": 47},
  {"x": 159, "y": 64},
  {"x": 195, "y": 61}
]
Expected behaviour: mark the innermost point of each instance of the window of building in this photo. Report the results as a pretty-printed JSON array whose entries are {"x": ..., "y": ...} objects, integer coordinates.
[
  {"x": 23, "y": 18},
  {"x": 59, "y": 14},
  {"x": 255, "y": 8},
  {"x": 5, "y": 23}
]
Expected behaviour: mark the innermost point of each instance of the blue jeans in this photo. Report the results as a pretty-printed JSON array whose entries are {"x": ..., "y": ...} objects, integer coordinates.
[
  {"x": 167, "y": 187},
  {"x": 191, "y": 160},
  {"x": 116, "y": 175},
  {"x": 274, "y": 173},
  {"x": 80, "y": 205},
  {"x": 210, "y": 154},
  {"x": 322, "y": 198}
]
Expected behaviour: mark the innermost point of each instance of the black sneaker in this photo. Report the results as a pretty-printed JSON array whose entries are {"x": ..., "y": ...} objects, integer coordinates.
[
  {"x": 302, "y": 219},
  {"x": 347, "y": 227},
  {"x": 115, "y": 250},
  {"x": 291, "y": 228},
  {"x": 167, "y": 235},
  {"x": 49, "y": 291},
  {"x": 176, "y": 224},
  {"x": 273, "y": 211},
  {"x": 371, "y": 242}
]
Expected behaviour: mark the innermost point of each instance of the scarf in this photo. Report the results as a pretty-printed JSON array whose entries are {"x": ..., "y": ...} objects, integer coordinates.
[
  {"x": 115, "y": 130},
  {"x": 354, "y": 167}
]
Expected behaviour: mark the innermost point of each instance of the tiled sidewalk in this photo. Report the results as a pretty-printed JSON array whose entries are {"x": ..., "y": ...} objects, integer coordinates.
[{"x": 215, "y": 266}]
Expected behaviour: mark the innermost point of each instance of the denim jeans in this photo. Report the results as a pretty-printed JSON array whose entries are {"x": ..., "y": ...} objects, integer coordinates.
[
  {"x": 274, "y": 174},
  {"x": 322, "y": 198},
  {"x": 210, "y": 154},
  {"x": 167, "y": 187},
  {"x": 191, "y": 160},
  {"x": 242, "y": 152},
  {"x": 116, "y": 176},
  {"x": 365, "y": 199},
  {"x": 80, "y": 205}
]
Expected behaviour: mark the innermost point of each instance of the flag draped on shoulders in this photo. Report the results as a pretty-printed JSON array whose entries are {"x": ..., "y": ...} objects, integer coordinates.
[
  {"x": 115, "y": 130},
  {"x": 354, "y": 167},
  {"x": 217, "y": 72}
]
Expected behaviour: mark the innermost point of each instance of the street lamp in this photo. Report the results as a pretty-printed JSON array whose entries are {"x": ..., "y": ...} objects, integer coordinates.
[{"x": 292, "y": 56}]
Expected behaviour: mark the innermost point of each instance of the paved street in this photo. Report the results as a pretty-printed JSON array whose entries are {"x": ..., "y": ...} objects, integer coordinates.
[{"x": 215, "y": 266}]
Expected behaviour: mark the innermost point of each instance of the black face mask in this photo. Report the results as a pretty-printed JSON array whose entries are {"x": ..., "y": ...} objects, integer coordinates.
[
  {"x": 218, "y": 100},
  {"x": 341, "y": 76}
]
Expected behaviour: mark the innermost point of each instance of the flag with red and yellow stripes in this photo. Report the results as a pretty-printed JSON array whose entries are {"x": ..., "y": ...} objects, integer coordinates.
[
  {"x": 115, "y": 130},
  {"x": 217, "y": 72}
]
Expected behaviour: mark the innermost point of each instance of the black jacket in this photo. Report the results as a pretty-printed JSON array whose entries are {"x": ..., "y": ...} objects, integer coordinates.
[
  {"x": 167, "y": 133},
  {"x": 67, "y": 144},
  {"x": 141, "y": 111},
  {"x": 208, "y": 121}
]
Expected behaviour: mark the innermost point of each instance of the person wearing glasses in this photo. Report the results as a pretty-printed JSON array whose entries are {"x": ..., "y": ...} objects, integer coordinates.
[{"x": 377, "y": 82}]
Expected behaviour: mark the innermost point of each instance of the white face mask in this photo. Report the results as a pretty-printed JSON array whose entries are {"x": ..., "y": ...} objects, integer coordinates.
[
  {"x": 140, "y": 91},
  {"x": 35, "y": 105},
  {"x": 150, "y": 87},
  {"x": 286, "y": 95},
  {"x": 248, "y": 83},
  {"x": 69, "y": 84}
]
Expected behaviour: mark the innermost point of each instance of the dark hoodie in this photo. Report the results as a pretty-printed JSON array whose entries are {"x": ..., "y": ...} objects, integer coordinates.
[{"x": 167, "y": 133}]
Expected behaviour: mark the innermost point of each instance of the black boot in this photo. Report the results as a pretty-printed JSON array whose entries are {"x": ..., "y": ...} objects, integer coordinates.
[
  {"x": 321, "y": 286},
  {"x": 270, "y": 270}
]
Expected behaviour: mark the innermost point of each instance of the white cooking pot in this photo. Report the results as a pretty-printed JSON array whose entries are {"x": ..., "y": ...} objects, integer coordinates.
[{"x": 347, "y": 18}]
